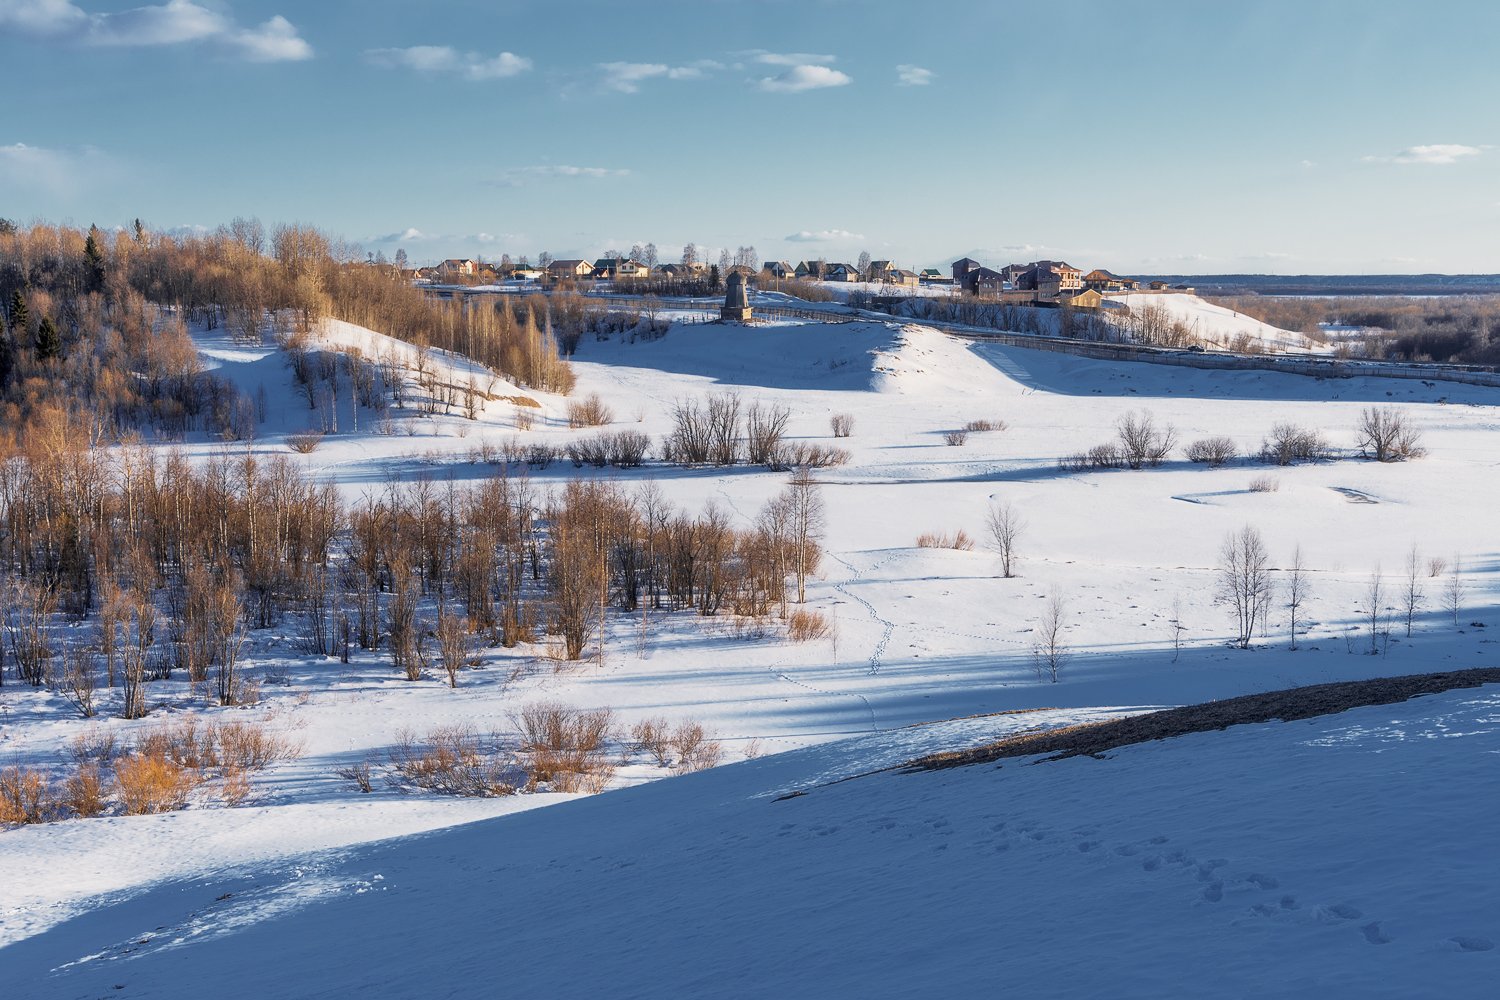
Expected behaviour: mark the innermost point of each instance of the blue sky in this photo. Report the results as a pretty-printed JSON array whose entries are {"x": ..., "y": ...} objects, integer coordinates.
[{"x": 1142, "y": 136}]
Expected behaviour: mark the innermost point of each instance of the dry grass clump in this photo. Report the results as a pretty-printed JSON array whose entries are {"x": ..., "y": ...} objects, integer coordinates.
[
  {"x": 1265, "y": 484},
  {"x": 805, "y": 625},
  {"x": 956, "y": 438},
  {"x": 450, "y": 760},
  {"x": 590, "y": 411},
  {"x": 86, "y": 791},
  {"x": 979, "y": 426},
  {"x": 959, "y": 540},
  {"x": 304, "y": 443}
]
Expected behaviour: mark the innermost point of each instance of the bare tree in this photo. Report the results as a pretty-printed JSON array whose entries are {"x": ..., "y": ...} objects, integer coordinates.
[
  {"x": 864, "y": 265},
  {"x": 765, "y": 426},
  {"x": 1453, "y": 590},
  {"x": 1005, "y": 525},
  {"x": 1412, "y": 593},
  {"x": 1178, "y": 628},
  {"x": 1142, "y": 442},
  {"x": 1245, "y": 581},
  {"x": 1298, "y": 590},
  {"x": 806, "y": 519},
  {"x": 1387, "y": 435},
  {"x": 1050, "y": 651},
  {"x": 1374, "y": 599}
]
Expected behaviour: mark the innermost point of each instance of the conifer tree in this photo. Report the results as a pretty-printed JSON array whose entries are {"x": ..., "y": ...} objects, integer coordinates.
[
  {"x": 95, "y": 258},
  {"x": 20, "y": 316},
  {"x": 48, "y": 343}
]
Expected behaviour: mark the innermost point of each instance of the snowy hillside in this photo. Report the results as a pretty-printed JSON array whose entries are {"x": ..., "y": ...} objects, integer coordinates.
[
  {"x": 1331, "y": 857},
  {"x": 919, "y": 634}
]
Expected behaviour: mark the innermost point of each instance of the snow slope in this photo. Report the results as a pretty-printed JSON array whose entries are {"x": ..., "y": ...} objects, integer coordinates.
[
  {"x": 921, "y": 634},
  {"x": 1216, "y": 324},
  {"x": 1333, "y": 857}
]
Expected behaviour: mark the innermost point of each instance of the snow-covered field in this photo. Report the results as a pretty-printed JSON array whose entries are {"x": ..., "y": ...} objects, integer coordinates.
[{"x": 1274, "y": 836}]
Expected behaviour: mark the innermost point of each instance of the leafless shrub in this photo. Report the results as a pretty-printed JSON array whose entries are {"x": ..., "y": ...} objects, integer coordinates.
[
  {"x": 1142, "y": 443},
  {"x": 1287, "y": 443},
  {"x": 85, "y": 792},
  {"x": 525, "y": 419},
  {"x": 1387, "y": 435},
  {"x": 93, "y": 745},
  {"x": 567, "y": 746},
  {"x": 80, "y": 681},
  {"x": 805, "y": 625},
  {"x": 959, "y": 540},
  {"x": 1436, "y": 565},
  {"x": 652, "y": 736},
  {"x": 25, "y": 797},
  {"x": 955, "y": 438},
  {"x": 1264, "y": 483},
  {"x": 358, "y": 774},
  {"x": 151, "y": 782},
  {"x": 590, "y": 411},
  {"x": 765, "y": 427},
  {"x": 304, "y": 443},
  {"x": 807, "y": 455},
  {"x": 695, "y": 751},
  {"x": 451, "y": 760},
  {"x": 977, "y": 426},
  {"x": 1212, "y": 451},
  {"x": 842, "y": 424}
]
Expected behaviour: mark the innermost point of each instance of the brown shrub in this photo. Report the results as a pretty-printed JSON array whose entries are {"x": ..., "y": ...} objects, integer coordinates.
[
  {"x": 652, "y": 736},
  {"x": 305, "y": 443},
  {"x": 1265, "y": 484},
  {"x": 807, "y": 626},
  {"x": 151, "y": 782},
  {"x": 25, "y": 797},
  {"x": 695, "y": 751},
  {"x": 976, "y": 426},
  {"x": 589, "y": 412},
  {"x": 956, "y": 438},
  {"x": 842, "y": 424},
  {"x": 86, "y": 791},
  {"x": 451, "y": 760},
  {"x": 1212, "y": 451}
]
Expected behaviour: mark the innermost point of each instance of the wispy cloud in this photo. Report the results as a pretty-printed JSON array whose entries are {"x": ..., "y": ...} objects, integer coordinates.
[
  {"x": 788, "y": 58},
  {"x": 908, "y": 75},
  {"x": 1440, "y": 154},
  {"x": 823, "y": 236},
  {"x": 518, "y": 176},
  {"x": 471, "y": 66},
  {"x": 627, "y": 77},
  {"x": 62, "y": 173},
  {"x": 176, "y": 22},
  {"x": 800, "y": 78}
]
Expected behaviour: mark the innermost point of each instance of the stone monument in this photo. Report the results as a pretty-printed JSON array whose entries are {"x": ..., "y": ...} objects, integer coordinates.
[{"x": 736, "y": 299}]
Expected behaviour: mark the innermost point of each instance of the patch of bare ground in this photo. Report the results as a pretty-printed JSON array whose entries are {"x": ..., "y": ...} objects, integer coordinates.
[{"x": 1289, "y": 705}]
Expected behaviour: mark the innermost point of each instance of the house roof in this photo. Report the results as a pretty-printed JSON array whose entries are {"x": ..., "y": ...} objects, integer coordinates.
[
  {"x": 456, "y": 262},
  {"x": 967, "y": 260}
]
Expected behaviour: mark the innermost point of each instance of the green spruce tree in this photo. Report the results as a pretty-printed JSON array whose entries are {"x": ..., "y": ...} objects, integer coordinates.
[
  {"x": 48, "y": 343},
  {"x": 94, "y": 257},
  {"x": 20, "y": 316}
]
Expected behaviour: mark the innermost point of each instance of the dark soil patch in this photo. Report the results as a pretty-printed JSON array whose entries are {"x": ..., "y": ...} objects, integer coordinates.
[{"x": 1294, "y": 703}]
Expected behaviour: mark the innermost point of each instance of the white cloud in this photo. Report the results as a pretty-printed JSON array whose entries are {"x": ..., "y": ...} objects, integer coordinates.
[
  {"x": 800, "y": 78},
  {"x": 788, "y": 58},
  {"x": 412, "y": 235},
  {"x": 823, "y": 236},
  {"x": 175, "y": 22},
  {"x": 908, "y": 75},
  {"x": 626, "y": 77},
  {"x": 518, "y": 176},
  {"x": 446, "y": 59},
  {"x": 61, "y": 173},
  {"x": 1440, "y": 154}
]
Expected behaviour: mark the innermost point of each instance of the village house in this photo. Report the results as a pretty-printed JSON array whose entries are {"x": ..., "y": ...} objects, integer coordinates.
[
  {"x": 682, "y": 271},
  {"x": 778, "y": 270},
  {"x": 901, "y": 278},
  {"x": 1049, "y": 280},
  {"x": 841, "y": 272},
  {"x": 1103, "y": 281},
  {"x": 961, "y": 269},
  {"x": 1089, "y": 298},
  {"x": 454, "y": 268},
  {"x": 811, "y": 269},
  {"x": 879, "y": 269},
  {"x": 932, "y": 276},
  {"x": 560, "y": 270}
]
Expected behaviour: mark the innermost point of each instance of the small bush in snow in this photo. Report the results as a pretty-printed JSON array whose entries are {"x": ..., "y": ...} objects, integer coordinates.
[
  {"x": 305, "y": 443},
  {"x": 1387, "y": 435},
  {"x": 959, "y": 540},
  {"x": 1287, "y": 443},
  {"x": 1142, "y": 442},
  {"x": 806, "y": 626},
  {"x": 25, "y": 797},
  {"x": 1265, "y": 484},
  {"x": 977, "y": 426},
  {"x": 1213, "y": 451},
  {"x": 955, "y": 438},
  {"x": 842, "y": 424},
  {"x": 589, "y": 412},
  {"x": 695, "y": 751}
]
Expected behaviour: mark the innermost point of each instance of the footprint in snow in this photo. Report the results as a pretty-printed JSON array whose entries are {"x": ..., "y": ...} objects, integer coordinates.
[
  {"x": 1374, "y": 934},
  {"x": 1339, "y": 911},
  {"x": 1473, "y": 943}
]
